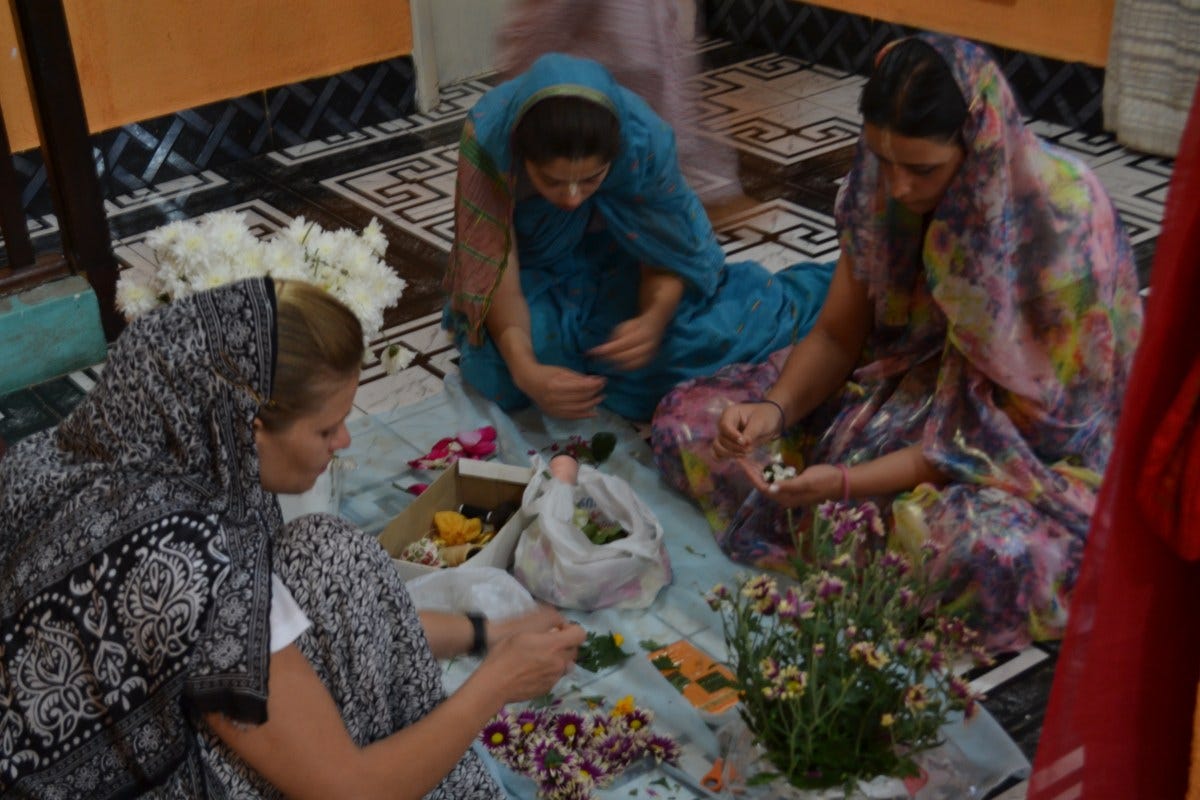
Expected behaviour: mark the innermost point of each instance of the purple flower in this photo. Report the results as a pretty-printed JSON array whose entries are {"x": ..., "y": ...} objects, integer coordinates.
[
  {"x": 758, "y": 587},
  {"x": 663, "y": 748},
  {"x": 792, "y": 606},
  {"x": 828, "y": 586},
  {"x": 499, "y": 734},
  {"x": 568, "y": 727},
  {"x": 546, "y": 759},
  {"x": 617, "y": 750},
  {"x": 959, "y": 688},
  {"x": 717, "y": 596},
  {"x": 896, "y": 562},
  {"x": 637, "y": 719},
  {"x": 767, "y": 605},
  {"x": 529, "y": 721}
]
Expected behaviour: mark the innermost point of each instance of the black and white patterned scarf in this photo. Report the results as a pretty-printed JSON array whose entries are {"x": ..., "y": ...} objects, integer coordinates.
[{"x": 134, "y": 557}]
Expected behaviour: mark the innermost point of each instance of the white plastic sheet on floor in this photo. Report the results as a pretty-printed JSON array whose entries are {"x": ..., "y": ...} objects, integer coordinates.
[{"x": 373, "y": 492}]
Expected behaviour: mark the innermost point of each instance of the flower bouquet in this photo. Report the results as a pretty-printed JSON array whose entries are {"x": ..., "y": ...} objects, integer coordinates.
[
  {"x": 570, "y": 754},
  {"x": 845, "y": 675},
  {"x": 219, "y": 248}
]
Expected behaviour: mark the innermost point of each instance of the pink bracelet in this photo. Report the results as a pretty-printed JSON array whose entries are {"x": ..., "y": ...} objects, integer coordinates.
[{"x": 845, "y": 482}]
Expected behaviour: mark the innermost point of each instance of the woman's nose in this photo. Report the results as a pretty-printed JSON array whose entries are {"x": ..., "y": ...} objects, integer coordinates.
[
  {"x": 900, "y": 184},
  {"x": 341, "y": 440},
  {"x": 569, "y": 202}
]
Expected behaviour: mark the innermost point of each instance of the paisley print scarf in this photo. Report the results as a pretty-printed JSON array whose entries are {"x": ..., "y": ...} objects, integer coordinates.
[{"x": 135, "y": 560}]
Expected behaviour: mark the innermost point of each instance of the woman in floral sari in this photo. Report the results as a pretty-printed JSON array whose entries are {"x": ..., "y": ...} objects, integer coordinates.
[
  {"x": 584, "y": 270},
  {"x": 985, "y": 312}
]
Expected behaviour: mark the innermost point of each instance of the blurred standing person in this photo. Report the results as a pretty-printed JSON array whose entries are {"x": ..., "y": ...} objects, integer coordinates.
[{"x": 644, "y": 45}]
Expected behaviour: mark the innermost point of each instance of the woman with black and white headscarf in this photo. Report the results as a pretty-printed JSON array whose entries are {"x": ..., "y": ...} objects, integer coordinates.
[{"x": 160, "y": 633}]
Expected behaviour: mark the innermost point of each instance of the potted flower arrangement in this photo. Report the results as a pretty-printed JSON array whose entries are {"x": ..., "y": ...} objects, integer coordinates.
[
  {"x": 845, "y": 674},
  {"x": 570, "y": 754},
  {"x": 218, "y": 248}
]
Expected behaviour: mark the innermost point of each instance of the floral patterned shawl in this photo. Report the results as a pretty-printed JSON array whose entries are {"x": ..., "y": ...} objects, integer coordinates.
[
  {"x": 644, "y": 199},
  {"x": 135, "y": 560},
  {"x": 1023, "y": 284}
]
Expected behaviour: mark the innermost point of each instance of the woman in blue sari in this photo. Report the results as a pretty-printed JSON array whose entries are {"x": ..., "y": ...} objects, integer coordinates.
[{"x": 584, "y": 270}]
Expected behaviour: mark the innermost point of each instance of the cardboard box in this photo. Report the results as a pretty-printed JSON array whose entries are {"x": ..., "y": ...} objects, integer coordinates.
[{"x": 478, "y": 483}]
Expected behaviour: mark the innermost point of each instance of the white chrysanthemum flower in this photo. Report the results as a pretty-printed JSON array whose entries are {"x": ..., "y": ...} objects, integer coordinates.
[
  {"x": 395, "y": 357},
  {"x": 220, "y": 248},
  {"x": 135, "y": 298},
  {"x": 373, "y": 237}
]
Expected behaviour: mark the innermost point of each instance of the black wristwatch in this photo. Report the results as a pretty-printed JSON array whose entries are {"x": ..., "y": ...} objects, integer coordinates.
[{"x": 479, "y": 631}]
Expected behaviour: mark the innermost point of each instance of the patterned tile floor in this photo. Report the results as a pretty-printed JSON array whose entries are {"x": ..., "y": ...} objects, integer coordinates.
[{"x": 793, "y": 126}]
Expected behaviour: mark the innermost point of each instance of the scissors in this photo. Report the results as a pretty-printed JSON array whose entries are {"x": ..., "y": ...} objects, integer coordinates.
[
  {"x": 709, "y": 786},
  {"x": 714, "y": 779}
]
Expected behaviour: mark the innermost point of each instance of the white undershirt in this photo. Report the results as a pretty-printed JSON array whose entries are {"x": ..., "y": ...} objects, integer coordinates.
[{"x": 288, "y": 621}]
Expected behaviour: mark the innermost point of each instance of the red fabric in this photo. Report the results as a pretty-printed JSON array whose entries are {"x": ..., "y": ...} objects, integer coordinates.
[{"x": 1119, "y": 723}]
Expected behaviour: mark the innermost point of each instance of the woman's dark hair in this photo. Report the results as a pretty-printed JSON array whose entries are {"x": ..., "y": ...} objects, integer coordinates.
[
  {"x": 912, "y": 92},
  {"x": 567, "y": 127}
]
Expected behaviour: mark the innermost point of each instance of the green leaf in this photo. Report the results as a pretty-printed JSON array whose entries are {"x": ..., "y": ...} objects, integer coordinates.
[
  {"x": 600, "y": 651},
  {"x": 713, "y": 681},
  {"x": 677, "y": 679},
  {"x": 762, "y": 778},
  {"x": 542, "y": 701},
  {"x": 649, "y": 645},
  {"x": 663, "y": 662},
  {"x": 603, "y": 444}
]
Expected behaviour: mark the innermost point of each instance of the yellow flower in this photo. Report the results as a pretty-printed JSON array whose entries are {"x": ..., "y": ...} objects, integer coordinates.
[
  {"x": 624, "y": 706},
  {"x": 618, "y": 639},
  {"x": 887, "y": 720},
  {"x": 497, "y": 738},
  {"x": 453, "y": 528}
]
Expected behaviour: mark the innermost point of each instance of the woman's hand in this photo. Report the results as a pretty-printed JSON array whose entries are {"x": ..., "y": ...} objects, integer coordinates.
[
  {"x": 528, "y": 664},
  {"x": 634, "y": 342},
  {"x": 818, "y": 483},
  {"x": 745, "y": 426},
  {"x": 561, "y": 392},
  {"x": 541, "y": 619}
]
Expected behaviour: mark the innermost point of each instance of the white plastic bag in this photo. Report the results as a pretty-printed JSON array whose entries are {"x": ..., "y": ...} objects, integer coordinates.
[
  {"x": 557, "y": 562},
  {"x": 488, "y": 590}
]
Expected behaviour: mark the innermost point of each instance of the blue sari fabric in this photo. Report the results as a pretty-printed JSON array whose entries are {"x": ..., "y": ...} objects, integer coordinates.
[{"x": 580, "y": 269}]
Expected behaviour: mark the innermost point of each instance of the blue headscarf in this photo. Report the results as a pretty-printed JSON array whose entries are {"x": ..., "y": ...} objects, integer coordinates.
[{"x": 644, "y": 199}]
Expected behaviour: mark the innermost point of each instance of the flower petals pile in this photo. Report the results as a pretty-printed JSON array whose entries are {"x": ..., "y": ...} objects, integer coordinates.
[
  {"x": 570, "y": 754},
  {"x": 479, "y": 443}
]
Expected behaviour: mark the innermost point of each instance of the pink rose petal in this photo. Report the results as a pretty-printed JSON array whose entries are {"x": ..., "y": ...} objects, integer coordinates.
[
  {"x": 483, "y": 449},
  {"x": 469, "y": 439}
]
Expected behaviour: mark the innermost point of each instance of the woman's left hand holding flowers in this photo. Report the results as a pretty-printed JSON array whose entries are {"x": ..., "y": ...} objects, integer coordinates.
[{"x": 816, "y": 484}]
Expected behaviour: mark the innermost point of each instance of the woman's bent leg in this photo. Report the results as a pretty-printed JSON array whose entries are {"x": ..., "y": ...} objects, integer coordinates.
[
  {"x": 683, "y": 431},
  {"x": 1010, "y": 565}
]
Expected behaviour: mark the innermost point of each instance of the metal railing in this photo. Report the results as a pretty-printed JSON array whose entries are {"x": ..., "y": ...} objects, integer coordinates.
[{"x": 70, "y": 169}]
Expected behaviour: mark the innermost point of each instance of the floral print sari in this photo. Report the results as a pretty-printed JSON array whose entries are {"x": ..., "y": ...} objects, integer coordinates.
[{"x": 1003, "y": 332}]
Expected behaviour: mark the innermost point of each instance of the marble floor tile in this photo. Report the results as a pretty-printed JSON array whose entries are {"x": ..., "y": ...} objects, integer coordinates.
[
  {"x": 778, "y": 234},
  {"x": 386, "y": 393}
]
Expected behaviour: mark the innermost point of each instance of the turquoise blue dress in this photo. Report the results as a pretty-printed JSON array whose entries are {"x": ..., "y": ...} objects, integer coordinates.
[{"x": 580, "y": 269}]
